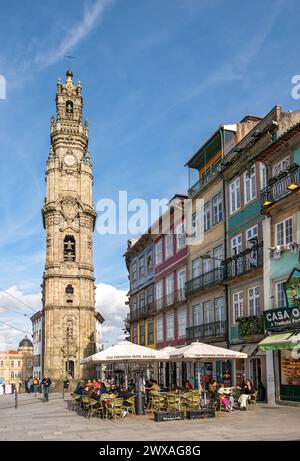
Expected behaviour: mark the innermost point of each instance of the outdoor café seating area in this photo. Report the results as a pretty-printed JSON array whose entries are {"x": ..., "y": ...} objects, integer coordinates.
[
  {"x": 110, "y": 401},
  {"x": 138, "y": 394}
]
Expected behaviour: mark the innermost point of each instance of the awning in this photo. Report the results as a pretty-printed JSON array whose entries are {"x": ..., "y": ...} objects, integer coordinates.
[
  {"x": 236, "y": 347},
  {"x": 280, "y": 341},
  {"x": 249, "y": 349}
]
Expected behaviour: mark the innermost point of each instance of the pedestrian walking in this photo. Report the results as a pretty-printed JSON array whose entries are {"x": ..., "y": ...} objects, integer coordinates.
[
  {"x": 26, "y": 385},
  {"x": 36, "y": 384},
  {"x": 46, "y": 382},
  {"x": 66, "y": 384},
  {"x": 30, "y": 385}
]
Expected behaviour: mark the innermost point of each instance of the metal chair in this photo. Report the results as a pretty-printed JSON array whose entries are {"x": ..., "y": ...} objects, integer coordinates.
[{"x": 115, "y": 408}]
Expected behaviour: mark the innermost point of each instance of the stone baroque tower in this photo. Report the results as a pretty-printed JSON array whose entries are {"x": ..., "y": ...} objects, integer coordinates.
[{"x": 69, "y": 219}]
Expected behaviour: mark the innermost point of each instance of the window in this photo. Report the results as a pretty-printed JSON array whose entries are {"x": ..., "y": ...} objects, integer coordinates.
[
  {"x": 149, "y": 261},
  {"x": 134, "y": 304},
  {"x": 170, "y": 325},
  {"x": 12, "y": 375},
  {"x": 12, "y": 363},
  {"x": 281, "y": 166},
  {"x": 150, "y": 332},
  {"x": 263, "y": 176},
  {"x": 280, "y": 295},
  {"x": 238, "y": 300},
  {"x": 194, "y": 225},
  {"x": 69, "y": 248},
  {"x": 142, "y": 300},
  {"x": 181, "y": 279},
  {"x": 284, "y": 232},
  {"x": 159, "y": 329},
  {"x": 196, "y": 315},
  {"x": 206, "y": 217},
  {"x": 207, "y": 265},
  {"x": 142, "y": 332},
  {"x": 69, "y": 290},
  {"x": 142, "y": 266},
  {"x": 170, "y": 290},
  {"x": 19, "y": 363},
  {"x": 182, "y": 322},
  {"x": 250, "y": 185},
  {"x": 236, "y": 245},
  {"x": 180, "y": 233},
  {"x": 169, "y": 245},
  {"x": 69, "y": 107},
  {"x": 159, "y": 294},
  {"x": 235, "y": 195},
  {"x": 219, "y": 310},
  {"x": 217, "y": 209},
  {"x": 29, "y": 364},
  {"x": 2, "y": 364},
  {"x": 196, "y": 269},
  {"x": 134, "y": 271},
  {"x": 40, "y": 335},
  {"x": 207, "y": 312},
  {"x": 218, "y": 255},
  {"x": 252, "y": 233},
  {"x": 135, "y": 333},
  {"x": 253, "y": 301},
  {"x": 158, "y": 253},
  {"x": 150, "y": 295}
]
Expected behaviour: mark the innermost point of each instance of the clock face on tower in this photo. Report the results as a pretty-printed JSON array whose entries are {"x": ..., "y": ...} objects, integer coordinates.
[{"x": 69, "y": 160}]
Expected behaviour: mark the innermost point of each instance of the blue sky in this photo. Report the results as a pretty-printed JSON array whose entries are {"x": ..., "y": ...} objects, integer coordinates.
[{"x": 158, "y": 78}]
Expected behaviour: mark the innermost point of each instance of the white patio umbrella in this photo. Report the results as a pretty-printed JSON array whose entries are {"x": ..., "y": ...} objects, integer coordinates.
[
  {"x": 125, "y": 352},
  {"x": 200, "y": 352}
]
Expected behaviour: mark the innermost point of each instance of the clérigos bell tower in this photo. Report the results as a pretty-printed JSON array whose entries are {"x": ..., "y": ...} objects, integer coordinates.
[{"x": 69, "y": 216}]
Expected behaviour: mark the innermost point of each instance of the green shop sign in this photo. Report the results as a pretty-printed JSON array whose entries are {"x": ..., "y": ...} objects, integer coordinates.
[{"x": 292, "y": 289}]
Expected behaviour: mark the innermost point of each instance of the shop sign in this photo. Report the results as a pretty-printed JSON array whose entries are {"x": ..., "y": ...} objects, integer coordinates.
[
  {"x": 282, "y": 318},
  {"x": 292, "y": 289}
]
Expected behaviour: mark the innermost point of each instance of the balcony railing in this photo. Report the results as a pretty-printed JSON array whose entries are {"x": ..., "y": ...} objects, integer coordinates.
[
  {"x": 249, "y": 326},
  {"x": 142, "y": 312},
  {"x": 208, "y": 330},
  {"x": 171, "y": 299},
  {"x": 282, "y": 186},
  {"x": 206, "y": 177},
  {"x": 244, "y": 262},
  {"x": 205, "y": 280}
]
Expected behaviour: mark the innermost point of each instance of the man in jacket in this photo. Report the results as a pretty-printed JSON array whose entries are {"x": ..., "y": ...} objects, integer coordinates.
[{"x": 46, "y": 382}]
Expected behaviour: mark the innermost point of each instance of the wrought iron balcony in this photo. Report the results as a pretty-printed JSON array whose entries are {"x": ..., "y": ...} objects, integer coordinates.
[
  {"x": 244, "y": 262},
  {"x": 280, "y": 187},
  {"x": 249, "y": 326},
  {"x": 171, "y": 299},
  {"x": 206, "y": 177},
  {"x": 208, "y": 330},
  {"x": 142, "y": 312},
  {"x": 205, "y": 280}
]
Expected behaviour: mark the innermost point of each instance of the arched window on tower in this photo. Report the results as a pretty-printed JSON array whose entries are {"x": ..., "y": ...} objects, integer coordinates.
[
  {"x": 69, "y": 248},
  {"x": 69, "y": 107}
]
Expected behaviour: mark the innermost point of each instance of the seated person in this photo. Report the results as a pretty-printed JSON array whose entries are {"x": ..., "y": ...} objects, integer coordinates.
[
  {"x": 124, "y": 393},
  {"x": 131, "y": 385},
  {"x": 154, "y": 386},
  {"x": 103, "y": 389},
  {"x": 246, "y": 391},
  {"x": 112, "y": 390},
  {"x": 212, "y": 388},
  {"x": 225, "y": 399},
  {"x": 187, "y": 385},
  {"x": 226, "y": 392},
  {"x": 79, "y": 388}
]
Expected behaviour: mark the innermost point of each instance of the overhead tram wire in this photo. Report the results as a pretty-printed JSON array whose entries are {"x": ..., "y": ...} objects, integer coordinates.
[
  {"x": 15, "y": 328},
  {"x": 17, "y": 299},
  {"x": 15, "y": 312}
]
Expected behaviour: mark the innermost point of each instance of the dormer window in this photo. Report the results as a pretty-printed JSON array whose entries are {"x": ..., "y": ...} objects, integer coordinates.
[{"x": 69, "y": 107}]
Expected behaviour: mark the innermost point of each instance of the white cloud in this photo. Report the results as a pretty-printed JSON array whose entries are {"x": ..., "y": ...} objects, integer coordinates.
[
  {"x": 110, "y": 302},
  {"x": 76, "y": 34}
]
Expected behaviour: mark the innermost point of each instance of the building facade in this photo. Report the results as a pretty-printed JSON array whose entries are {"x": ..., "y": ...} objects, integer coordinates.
[
  {"x": 69, "y": 322},
  {"x": 280, "y": 206},
  {"x": 16, "y": 365}
]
